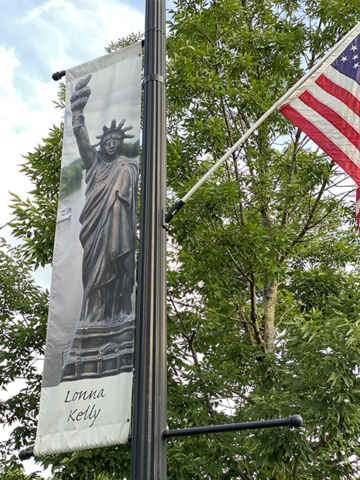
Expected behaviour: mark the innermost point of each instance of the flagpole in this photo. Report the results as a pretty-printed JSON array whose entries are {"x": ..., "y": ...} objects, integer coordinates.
[
  {"x": 178, "y": 205},
  {"x": 148, "y": 460}
]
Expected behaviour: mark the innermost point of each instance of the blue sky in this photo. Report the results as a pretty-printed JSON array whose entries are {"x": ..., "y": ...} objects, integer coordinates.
[
  {"x": 45, "y": 34},
  {"x": 37, "y": 38}
]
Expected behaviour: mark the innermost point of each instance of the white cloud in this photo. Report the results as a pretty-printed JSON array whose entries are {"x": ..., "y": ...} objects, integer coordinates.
[
  {"x": 8, "y": 63},
  {"x": 21, "y": 128},
  {"x": 68, "y": 31}
]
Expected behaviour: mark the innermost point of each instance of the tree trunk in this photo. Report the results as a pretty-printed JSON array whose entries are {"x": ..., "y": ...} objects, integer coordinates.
[{"x": 269, "y": 302}]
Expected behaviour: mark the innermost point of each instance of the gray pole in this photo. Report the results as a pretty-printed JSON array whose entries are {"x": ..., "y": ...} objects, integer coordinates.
[{"x": 148, "y": 460}]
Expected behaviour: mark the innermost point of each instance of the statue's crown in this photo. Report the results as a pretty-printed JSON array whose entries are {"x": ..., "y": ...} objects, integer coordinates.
[{"x": 115, "y": 131}]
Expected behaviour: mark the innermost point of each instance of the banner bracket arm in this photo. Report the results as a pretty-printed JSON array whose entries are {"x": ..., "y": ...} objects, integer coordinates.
[{"x": 294, "y": 421}]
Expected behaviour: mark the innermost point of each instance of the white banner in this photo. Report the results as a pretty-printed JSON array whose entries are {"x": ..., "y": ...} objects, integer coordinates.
[{"x": 87, "y": 382}]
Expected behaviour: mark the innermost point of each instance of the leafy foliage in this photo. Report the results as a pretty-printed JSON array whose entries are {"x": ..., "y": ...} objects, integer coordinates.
[
  {"x": 71, "y": 178},
  {"x": 263, "y": 279},
  {"x": 11, "y": 470},
  {"x": 124, "y": 42},
  {"x": 36, "y": 217},
  {"x": 23, "y": 316},
  {"x": 260, "y": 316}
]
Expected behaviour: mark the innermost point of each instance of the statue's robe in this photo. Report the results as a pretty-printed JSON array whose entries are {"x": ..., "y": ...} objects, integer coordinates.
[{"x": 108, "y": 237}]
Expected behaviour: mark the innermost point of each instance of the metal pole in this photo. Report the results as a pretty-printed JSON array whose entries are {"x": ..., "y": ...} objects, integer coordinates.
[{"x": 148, "y": 461}]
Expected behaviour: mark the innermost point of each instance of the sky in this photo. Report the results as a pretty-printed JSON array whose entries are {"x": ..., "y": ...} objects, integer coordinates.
[{"x": 38, "y": 38}]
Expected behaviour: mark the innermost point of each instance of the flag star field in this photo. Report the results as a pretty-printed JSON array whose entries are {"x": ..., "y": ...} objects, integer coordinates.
[{"x": 348, "y": 62}]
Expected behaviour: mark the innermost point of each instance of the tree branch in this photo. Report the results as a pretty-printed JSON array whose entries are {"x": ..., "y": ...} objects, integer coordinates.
[
  {"x": 291, "y": 176},
  {"x": 313, "y": 211}
]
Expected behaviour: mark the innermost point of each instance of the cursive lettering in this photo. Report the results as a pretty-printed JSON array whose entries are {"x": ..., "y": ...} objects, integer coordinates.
[
  {"x": 76, "y": 415},
  {"x": 84, "y": 395}
]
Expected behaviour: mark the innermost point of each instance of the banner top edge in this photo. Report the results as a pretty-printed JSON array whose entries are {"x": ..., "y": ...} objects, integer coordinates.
[{"x": 104, "y": 61}]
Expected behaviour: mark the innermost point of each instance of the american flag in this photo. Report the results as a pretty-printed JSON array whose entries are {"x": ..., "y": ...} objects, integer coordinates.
[{"x": 327, "y": 107}]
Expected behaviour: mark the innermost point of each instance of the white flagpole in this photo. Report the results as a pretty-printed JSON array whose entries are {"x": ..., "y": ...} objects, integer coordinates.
[{"x": 181, "y": 203}]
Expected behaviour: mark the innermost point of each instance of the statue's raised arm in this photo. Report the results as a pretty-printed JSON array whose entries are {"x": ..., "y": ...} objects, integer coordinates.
[{"x": 78, "y": 101}]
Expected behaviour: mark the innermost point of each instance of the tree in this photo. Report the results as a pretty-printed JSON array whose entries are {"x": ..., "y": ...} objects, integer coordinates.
[
  {"x": 263, "y": 274},
  {"x": 11, "y": 470},
  {"x": 23, "y": 325},
  {"x": 262, "y": 251}
]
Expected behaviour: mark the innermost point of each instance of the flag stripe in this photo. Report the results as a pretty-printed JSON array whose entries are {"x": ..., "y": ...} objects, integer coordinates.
[
  {"x": 339, "y": 92},
  {"x": 331, "y": 116},
  {"x": 329, "y": 130},
  {"x": 329, "y": 147},
  {"x": 339, "y": 107},
  {"x": 343, "y": 81}
]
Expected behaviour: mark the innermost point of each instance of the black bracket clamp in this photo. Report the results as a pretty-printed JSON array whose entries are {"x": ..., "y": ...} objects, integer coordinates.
[
  {"x": 58, "y": 75},
  {"x": 154, "y": 77},
  {"x": 26, "y": 454},
  {"x": 171, "y": 213}
]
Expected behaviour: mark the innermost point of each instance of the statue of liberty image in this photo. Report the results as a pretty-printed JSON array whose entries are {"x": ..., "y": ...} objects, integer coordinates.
[{"x": 108, "y": 237}]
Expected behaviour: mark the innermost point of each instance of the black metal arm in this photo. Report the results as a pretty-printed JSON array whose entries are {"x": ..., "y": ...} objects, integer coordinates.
[{"x": 292, "y": 421}]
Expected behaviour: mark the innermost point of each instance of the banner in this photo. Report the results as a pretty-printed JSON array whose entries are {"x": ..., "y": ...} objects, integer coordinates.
[{"x": 87, "y": 381}]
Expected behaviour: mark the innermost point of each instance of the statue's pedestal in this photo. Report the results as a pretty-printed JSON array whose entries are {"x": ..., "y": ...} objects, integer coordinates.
[{"x": 100, "y": 351}]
